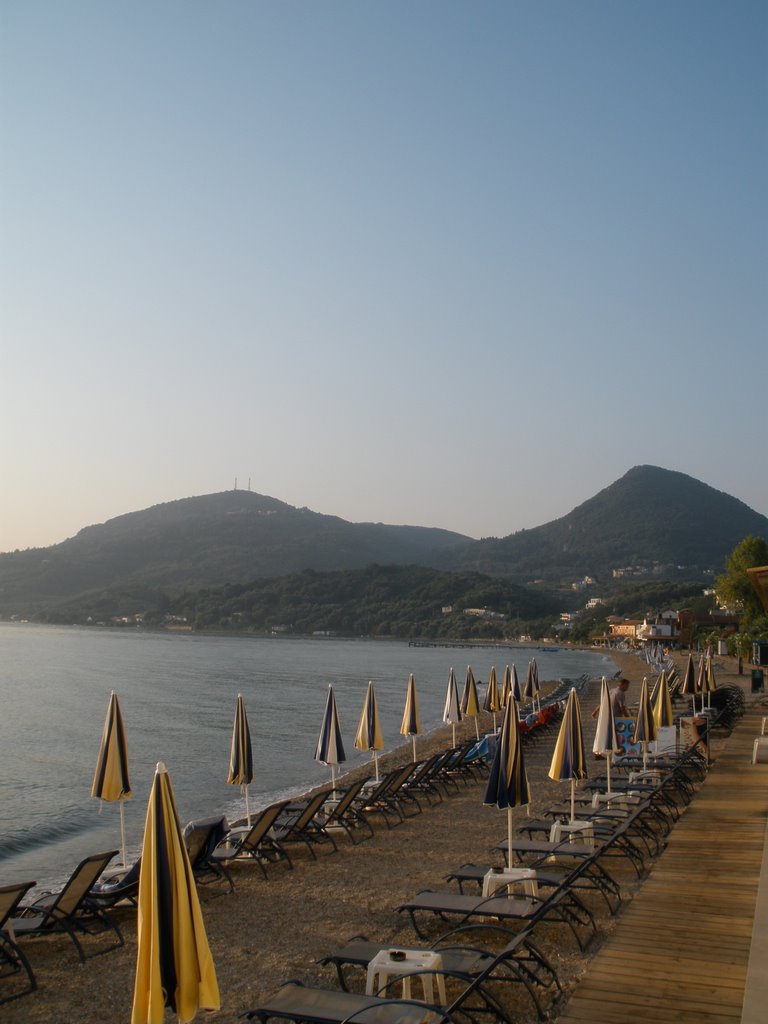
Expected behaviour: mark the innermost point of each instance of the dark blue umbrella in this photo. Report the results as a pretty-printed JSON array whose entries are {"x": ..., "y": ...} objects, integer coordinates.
[
  {"x": 508, "y": 782},
  {"x": 330, "y": 748}
]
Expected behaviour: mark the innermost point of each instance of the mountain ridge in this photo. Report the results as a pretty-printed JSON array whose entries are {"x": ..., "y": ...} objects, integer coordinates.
[{"x": 650, "y": 517}]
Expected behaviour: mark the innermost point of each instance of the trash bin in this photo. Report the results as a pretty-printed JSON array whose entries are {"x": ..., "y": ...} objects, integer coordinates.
[
  {"x": 758, "y": 680},
  {"x": 722, "y": 648}
]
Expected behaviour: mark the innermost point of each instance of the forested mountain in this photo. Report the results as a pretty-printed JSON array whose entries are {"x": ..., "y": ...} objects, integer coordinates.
[
  {"x": 388, "y": 600},
  {"x": 205, "y": 541},
  {"x": 649, "y": 517}
]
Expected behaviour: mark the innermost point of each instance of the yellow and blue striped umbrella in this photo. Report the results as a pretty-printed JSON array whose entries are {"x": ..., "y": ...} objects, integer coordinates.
[
  {"x": 110, "y": 780},
  {"x": 492, "y": 702},
  {"x": 241, "y": 754},
  {"x": 470, "y": 705},
  {"x": 330, "y": 748},
  {"x": 568, "y": 759},
  {"x": 174, "y": 966},
  {"x": 661, "y": 702},
  {"x": 369, "y": 736},
  {"x": 508, "y": 781},
  {"x": 411, "y": 724},
  {"x": 645, "y": 726},
  {"x": 452, "y": 709}
]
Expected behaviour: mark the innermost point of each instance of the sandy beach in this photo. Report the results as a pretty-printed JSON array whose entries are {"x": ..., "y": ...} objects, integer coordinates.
[{"x": 270, "y": 931}]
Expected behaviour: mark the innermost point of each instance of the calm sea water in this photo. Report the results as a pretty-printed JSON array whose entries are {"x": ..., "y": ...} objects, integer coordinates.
[{"x": 177, "y": 694}]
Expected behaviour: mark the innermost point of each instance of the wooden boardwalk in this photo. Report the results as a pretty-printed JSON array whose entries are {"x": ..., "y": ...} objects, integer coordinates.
[{"x": 680, "y": 950}]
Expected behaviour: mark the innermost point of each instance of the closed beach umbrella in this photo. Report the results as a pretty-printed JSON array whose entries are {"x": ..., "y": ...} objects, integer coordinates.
[
  {"x": 110, "y": 780},
  {"x": 645, "y": 726},
  {"x": 508, "y": 782},
  {"x": 411, "y": 724},
  {"x": 330, "y": 748},
  {"x": 368, "y": 736},
  {"x": 452, "y": 710},
  {"x": 568, "y": 760},
  {"x": 492, "y": 702},
  {"x": 240, "y": 754},
  {"x": 511, "y": 687},
  {"x": 174, "y": 967},
  {"x": 710, "y": 684},
  {"x": 661, "y": 701},
  {"x": 470, "y": 705},
  {"x": 689, "y": 682},
  {"x": 531, "y": 688},
  {"x": 701, "y": 679},
  {"x": 606, "y": 739}
]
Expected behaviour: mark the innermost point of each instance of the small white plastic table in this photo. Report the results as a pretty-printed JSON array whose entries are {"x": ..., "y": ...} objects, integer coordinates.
[
  {"x": 383, "y": 967},
  {"x": 577, "y": 831},
  {"x": 524, "y": 878}
]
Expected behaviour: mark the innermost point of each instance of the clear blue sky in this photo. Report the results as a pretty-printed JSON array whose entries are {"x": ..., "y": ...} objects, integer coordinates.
[{"x": 450, "y": 264}]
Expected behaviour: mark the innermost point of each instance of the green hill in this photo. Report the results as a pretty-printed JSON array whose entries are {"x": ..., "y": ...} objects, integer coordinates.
[
  {"x": 202, "y": 542},
  {"x": 651, "y": 517}
]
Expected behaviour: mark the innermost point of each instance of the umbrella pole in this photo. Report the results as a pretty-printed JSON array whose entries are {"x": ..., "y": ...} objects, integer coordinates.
[
  {"x": 247, "y": 807},
  {"x": 413, "y": 741},
  {"x": 333, "y": 780},
  {"x": 494, "y": 720},
  {"x": 645, "y": 756},
  {"x": 477, "y": 729},
  {"x": 122, "y": 831},
  {"x": 453, "y": 729},
  {"x": 608, "y": 756},
  {"x": 509, "y": 837},
  {"x": 573, "y": 800},
  {"x": 376, "y": 765}
]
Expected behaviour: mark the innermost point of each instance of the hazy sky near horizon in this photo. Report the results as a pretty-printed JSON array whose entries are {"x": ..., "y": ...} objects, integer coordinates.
[{"x": 443, "y": 263}]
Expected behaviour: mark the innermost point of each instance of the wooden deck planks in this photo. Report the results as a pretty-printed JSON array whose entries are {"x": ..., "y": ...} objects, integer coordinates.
[{"x": 680, "y": 950}]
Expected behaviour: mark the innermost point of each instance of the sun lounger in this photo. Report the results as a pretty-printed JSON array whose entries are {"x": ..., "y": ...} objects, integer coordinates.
[
  {"x": 425, "y": 778},
  {"x": 255, "y": 843},
  {"x": 13, "y": 960},
  {"x": 592, "y": 876},
  {"x": 304, "y": 823},
  {"x": 344, "y": 813},
  {"x": 69, "y": 910},
  {"x": 616, "y": 844},
  {"x": 387, "y": 797},
  {"x": 562, "y": 905},
  {"x": 475, "y": 1000},
  {"x": 519, "y": 961}
]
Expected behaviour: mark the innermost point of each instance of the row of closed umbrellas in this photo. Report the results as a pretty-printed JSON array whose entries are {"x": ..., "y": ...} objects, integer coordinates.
[
  {"x": 174, "y": 967},
  {"x": 330, "y": 746}
]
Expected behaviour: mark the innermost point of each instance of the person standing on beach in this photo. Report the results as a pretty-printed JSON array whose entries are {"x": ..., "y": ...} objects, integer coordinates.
[{"x": 617, "y": 700}]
